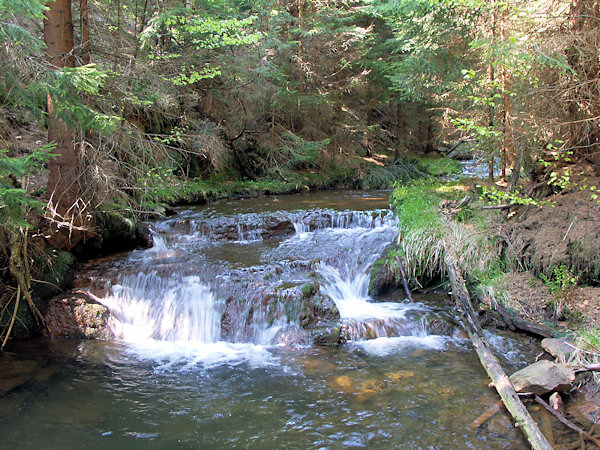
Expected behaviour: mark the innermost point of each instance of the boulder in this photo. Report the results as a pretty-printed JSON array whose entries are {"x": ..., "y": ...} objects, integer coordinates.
[
  {"x": 558, "y": 347},
  {"x": 542, "y": 377},
  {"x": 439, "y": 326},
  {"x": 78, "y": 316},
  {"x": 316, "y": 309}
]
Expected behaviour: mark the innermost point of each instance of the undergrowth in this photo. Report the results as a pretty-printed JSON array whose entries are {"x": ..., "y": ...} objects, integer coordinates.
[{"x": 420, "y": 227}]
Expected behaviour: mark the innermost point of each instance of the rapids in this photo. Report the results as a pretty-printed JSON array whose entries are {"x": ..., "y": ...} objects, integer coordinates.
[{"x": 215, "y": 327}]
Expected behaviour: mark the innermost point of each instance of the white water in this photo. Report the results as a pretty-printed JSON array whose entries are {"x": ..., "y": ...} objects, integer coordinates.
[
  {"x": 167, "y": 316},
  {"x": 376, "y": 326},
  {"x": 175, "y": 320}
]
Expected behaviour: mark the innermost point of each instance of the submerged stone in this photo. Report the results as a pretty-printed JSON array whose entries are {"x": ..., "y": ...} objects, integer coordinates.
[
  {"x": 585, "y": 407},
  {"x": 15, "y": 373}
]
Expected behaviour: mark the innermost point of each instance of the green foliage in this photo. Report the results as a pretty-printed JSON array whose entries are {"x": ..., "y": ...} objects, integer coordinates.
[
  {"x": 561, "y": 285},
  {"x": 12, "y": 32},
  {"x": 420, "y": 227},
  {"x": 15, "y": 202},
  {"x": 498, "y": 197},
  {"x": 66, "y": 88},
  {"x": 562, "y": 281},
  {"x": 308, "y": 290},
  {"x": 300, "y": 153},
  {"x": 430, "y": 37}
]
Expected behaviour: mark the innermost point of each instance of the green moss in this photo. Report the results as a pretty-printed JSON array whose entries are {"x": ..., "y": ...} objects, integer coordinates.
[
  {"x": 308, "y": 290},
  {"x": 61, "y": 261}
]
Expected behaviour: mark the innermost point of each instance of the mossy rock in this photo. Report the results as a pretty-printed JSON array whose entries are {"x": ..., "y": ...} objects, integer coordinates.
[
  {"x": 317, "y": 309},
  {"x": 309, "y": 289},
  {"x": 383, "y": 276},
  {"x": 327, "y": 336},
  {"x": 119, "y": 233},
  {"x": 76, "y": 316}
]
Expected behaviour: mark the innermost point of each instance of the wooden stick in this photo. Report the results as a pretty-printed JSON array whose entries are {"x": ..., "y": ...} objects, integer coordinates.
[
  {"x": 489, "y": 361},
  {"x": 496, "y": 206},
  {"x": 566, "y": 422},
  {"x": 587, "y": 368},
  {"x": 487, "y": 415},
  {"x": 401, "y": 267},
  {"x": 577, "y": 443},
  {"x": 12, "y": 319},
  {"x": 406, "y": 289}
]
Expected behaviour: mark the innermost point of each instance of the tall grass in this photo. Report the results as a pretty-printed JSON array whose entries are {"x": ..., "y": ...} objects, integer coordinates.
[{"x": 422, "y": 233}]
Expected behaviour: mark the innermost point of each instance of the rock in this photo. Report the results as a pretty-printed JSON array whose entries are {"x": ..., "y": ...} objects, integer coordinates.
[
  {"x": 382, "y": 277},
  {"x": 328, "y": 336},
  {"x": 399, "y": 377},
  {"x": 439, "y": 326},
  {"x": 499, "y": 425},
  {"x": 556, "y": 403},
  {"x": 461, "y": 153},
  {"x": 558, "y": 347},
  {"x": 317, "y": 309},
  {"x": 78, "y": 316},
  {"x": 543, "y": 376}
]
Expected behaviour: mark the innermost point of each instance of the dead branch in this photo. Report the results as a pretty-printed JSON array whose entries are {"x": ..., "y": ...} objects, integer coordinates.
[{"x": 566, "y": 422}]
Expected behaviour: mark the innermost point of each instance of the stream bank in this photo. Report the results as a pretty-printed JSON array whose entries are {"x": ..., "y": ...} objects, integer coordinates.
[{"x": 495, "y": 255}]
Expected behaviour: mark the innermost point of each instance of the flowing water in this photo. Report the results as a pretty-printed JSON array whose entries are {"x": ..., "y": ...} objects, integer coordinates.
[{"x": 212, "y": 350}]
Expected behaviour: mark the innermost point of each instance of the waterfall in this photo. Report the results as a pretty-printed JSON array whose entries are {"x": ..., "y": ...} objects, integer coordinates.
[
  {"x": 147, "y": 306},
  {"x": 189, "y": 296}
]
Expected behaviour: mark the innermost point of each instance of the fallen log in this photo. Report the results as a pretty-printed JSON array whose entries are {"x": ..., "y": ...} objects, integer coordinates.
[
  {"x": 515, "y": 321},
  {"x": 497, "y": 206},
  {"x": 489, "y": 361}
]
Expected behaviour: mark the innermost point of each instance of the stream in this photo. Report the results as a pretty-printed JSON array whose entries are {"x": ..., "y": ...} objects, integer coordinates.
[{"x": 215, "y": 329}]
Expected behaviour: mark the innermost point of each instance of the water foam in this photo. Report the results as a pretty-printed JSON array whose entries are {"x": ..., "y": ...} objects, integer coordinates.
[{"x": 384, "y": 346}]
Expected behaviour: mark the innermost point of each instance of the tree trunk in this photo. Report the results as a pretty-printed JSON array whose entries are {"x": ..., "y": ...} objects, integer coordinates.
[
  {"x": 491, "y": 109},
  {"x": 516, "y": 171},
  {"x": 85, "y": 31},
  {"x": 58, "y": 36},
  {"x": 118, "y": 49},
  {"x": 397, "y": 148}
]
